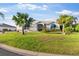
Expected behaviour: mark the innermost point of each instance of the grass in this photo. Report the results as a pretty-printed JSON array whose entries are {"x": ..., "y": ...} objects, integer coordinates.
[{"x": 43, "y": 42}]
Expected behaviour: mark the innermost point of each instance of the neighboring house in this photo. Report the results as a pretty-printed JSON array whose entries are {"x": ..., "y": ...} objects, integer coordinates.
[{"x": 7, "y": 27}]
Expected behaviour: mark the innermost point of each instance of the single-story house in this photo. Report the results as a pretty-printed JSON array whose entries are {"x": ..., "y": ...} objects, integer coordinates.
[
  {"x": 7, "y": 27},
  {"x": 48, "y": 24},
  {"x": 40, "y": 25}
]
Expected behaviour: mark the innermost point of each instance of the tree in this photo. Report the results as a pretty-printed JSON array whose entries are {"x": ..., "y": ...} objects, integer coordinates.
[
  {"x": 23, "y": 19},
  {"x": 77, "y": 28},
  {"x": 66, "y": 20},
  {"x": 29, "y": 22},
  {"x": 2, "y": 15}
]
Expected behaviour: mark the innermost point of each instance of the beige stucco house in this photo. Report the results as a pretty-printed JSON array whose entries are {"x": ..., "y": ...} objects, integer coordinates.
[{"x": 39, "y": 25}]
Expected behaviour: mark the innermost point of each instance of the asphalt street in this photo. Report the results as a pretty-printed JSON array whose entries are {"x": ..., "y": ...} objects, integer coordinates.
[{"x": 7, "y": 53}]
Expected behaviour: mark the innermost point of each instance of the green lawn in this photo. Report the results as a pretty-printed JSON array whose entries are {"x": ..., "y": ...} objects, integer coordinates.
[{"x": 43, "y": 42}]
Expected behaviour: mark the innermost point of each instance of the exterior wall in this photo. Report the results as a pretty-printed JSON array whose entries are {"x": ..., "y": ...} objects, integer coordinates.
[
  {"x": 58, "y": 26},
  {"x": 1, "y": 29},
  {"x": 19, "y": 28},
  {"x": 48, "y": 27},
  {"x": 33, "y": 27}
]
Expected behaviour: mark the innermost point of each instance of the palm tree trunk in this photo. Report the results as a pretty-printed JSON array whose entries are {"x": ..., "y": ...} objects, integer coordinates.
[
  {"x": 63, "y": 29},
  {"x": 23, "y": 30}
]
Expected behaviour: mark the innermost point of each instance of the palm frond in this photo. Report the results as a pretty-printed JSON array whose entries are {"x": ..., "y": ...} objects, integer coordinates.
[{"x": 2, "y": 15}]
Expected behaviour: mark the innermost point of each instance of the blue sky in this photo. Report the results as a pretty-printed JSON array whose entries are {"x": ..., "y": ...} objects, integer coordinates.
[{"x": 39, "y": 11}]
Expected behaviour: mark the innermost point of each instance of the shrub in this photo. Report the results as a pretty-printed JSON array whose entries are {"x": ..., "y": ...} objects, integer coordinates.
[
  {"x": 77, "y": 28},
  {"x": 68, "y": 30},
  {"x": 46, "y": 30},
  {"x": 5, "y": 29}
]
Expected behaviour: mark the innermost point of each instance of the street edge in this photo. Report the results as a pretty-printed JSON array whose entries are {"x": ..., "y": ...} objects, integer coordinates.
[{"x": 25, "y": 52}]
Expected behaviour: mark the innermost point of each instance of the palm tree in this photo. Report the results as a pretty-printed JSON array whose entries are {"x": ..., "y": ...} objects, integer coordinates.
[
  {"x": 66, "y": 20},
  {"x": 2, "y": 15},
  {"x": 23, "y": 20}
]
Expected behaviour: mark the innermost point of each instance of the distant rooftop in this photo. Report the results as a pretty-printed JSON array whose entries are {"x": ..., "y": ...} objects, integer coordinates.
[{"x": 6, "y": 25}]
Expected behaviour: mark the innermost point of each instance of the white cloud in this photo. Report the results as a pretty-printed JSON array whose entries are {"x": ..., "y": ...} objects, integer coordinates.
[
  {"x": 45, "y": 7},
  {"x": 3, "y": 10},
  {"x": 76, "y": 13},
  {"x": 69, "y": 12},
  {"x": 65, "y": 12},
  {"x": 33, "y": 6}
]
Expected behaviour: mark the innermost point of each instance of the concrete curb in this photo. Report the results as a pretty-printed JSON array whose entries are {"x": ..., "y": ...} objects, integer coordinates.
[{"x": 25, "y": 52}]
